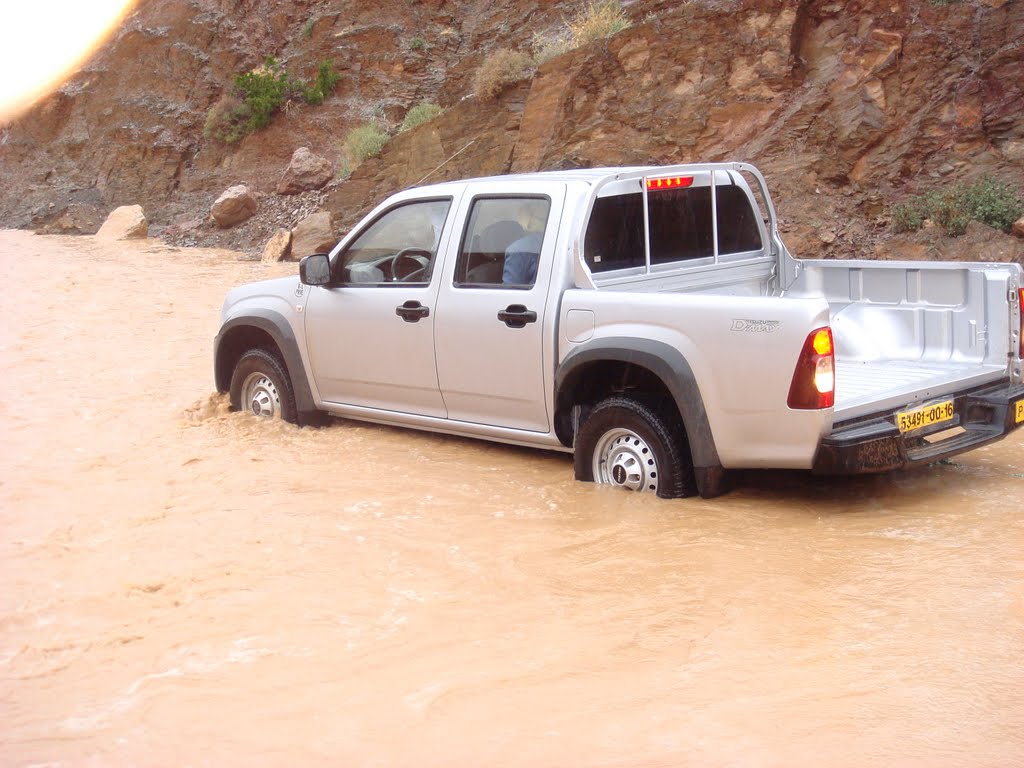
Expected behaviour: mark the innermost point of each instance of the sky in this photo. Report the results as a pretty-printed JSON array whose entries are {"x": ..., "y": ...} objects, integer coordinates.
[{"x": 44, "y": 41}]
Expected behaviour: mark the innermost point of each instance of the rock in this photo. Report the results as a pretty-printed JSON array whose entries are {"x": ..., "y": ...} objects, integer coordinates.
[
  {"x": 983, "y": 243},
  {"x": 123, "y": 223},
  {"x": 978, "y": 229},
  {"x": 902, "y": 248},
  {"x": 313, "y": 235},
  {"x": 305, "y": 172},
  {"x": 234, "y": 206},
  {"x": 1018, "y": 227},
  {"x": 827, "y": 236},
  {"x": 278, "y": 246}
]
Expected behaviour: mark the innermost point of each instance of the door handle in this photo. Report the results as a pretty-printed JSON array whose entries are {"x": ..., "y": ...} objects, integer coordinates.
[
  {"x": 412, "y": 311},
  {"x": 517, "y": 316}
]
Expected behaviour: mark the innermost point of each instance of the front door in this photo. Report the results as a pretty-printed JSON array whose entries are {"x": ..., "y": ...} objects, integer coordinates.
[{"x": 370, "y": 335}]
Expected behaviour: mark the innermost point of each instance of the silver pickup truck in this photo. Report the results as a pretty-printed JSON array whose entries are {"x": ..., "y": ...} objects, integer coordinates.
[{"x": 648, "y": 320}]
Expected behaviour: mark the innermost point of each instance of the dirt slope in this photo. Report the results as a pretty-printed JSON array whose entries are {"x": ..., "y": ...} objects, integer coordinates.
[{"x": 844, "y": 106}]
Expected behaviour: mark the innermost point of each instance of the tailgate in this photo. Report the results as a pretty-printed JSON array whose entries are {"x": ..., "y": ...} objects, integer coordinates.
[{"x": 866, "y": 387}]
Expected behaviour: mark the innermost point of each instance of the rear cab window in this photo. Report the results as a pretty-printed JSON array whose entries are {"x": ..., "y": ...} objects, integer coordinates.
[{"x": 689, "y": 222}]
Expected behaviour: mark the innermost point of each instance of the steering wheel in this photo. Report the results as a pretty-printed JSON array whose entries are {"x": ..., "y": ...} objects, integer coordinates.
[{"x": 410, "y": 265}]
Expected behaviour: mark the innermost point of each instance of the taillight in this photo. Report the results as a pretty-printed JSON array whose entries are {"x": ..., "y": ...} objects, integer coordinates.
[
  {"x": 1020, "y": 316},
  {"x": 814, "y": 380}
]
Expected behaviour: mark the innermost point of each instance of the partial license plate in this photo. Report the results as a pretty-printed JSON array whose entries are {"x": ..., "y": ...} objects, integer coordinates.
[
  {"x": 1020, "y": 412},
  {"x": 927, "y": 415}
]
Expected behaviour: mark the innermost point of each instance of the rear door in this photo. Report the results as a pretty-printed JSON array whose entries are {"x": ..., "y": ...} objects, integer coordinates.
[{"x": 489, "y": 332}]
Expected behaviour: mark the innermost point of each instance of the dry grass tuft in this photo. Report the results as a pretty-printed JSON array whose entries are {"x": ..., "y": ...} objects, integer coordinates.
[
  {"x": 500, "y": 69},
  {"x": 597, "y": 20}
]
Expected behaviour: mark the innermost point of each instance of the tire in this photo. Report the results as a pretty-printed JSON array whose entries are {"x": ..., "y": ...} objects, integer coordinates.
[
  {"x": 632, "y": 445},
  {"x": 260, "y": 386}
]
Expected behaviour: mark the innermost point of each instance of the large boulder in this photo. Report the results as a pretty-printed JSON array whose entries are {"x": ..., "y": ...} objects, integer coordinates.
[
  {"x": 306, "y": 171},
  {"x": 278, "y": 246},
  {"x": 1018, "y": 227},
  {"x": 123, "y": 223},
  {"x": 234, "y": 206},
  {"x": 314, "y": 234}
]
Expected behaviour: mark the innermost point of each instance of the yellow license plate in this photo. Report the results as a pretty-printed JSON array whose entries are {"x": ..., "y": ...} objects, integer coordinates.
[
  {"x": 1020, "y": 412},
  {"x": 927, "y": 415}
]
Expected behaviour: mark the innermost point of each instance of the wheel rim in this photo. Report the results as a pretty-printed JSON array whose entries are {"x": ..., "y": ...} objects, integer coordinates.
[
  {"x": 624, "y": 459},
  {"x": 260, "y": 396}
]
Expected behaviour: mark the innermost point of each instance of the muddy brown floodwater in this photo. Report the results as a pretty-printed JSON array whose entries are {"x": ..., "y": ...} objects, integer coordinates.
[{"x": 180, "y": 585}]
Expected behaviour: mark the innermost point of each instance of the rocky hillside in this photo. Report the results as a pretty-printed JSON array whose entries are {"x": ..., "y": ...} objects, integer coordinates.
[{"x": 847, "y": 107}]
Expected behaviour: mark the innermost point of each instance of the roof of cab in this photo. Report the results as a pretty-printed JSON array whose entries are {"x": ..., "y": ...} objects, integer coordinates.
[{"x": 586, "y": 175}]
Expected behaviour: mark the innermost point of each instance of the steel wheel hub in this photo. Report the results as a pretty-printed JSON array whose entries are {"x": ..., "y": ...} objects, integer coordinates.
[
  {"x": 261, "y": 396},
  {"x": 624, "y": 459}
]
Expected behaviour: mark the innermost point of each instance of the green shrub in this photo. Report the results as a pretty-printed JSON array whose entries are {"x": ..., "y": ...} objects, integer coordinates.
[
  {"x": 364, "y": 142},
  {"x": 500, "y": 69},
  {"x": 990, "y": 201},
  {"x": 307, "y": 30},
  {"x": 258, "y": 95},
  {"x": 324, "y": 85},
  {"x": 264, "y": 90},
  {"x": 995, "y": 203},
  {"x": 417, "y": 43},
  {"x": 949, "y": 209},
  {"x": 419, "y": 115},
  {"x": 597, "y": 20},
  {"x": 908, "y": 216}
]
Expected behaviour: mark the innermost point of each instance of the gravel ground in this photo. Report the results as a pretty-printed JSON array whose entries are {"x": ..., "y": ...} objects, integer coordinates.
[{"x": 195, "y": 227}]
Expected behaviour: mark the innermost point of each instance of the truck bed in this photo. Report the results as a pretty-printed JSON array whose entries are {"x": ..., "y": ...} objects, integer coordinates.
[{"x": 910, "y": 332}]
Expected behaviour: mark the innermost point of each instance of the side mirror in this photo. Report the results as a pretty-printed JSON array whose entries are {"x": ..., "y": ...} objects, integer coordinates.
[{"x": 315, "y": 269}]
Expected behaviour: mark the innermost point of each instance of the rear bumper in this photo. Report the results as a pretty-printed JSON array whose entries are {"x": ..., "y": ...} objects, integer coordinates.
[{"x": 875, "y": 444}]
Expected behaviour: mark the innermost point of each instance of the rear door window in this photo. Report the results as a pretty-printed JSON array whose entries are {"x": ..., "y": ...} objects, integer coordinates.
[{"x": 502, "y": 243}]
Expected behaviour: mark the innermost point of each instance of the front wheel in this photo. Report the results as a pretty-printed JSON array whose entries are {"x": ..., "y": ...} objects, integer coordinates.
[
  {"x": 260, "y": 385},
  {"x": 627, "y": 444}
]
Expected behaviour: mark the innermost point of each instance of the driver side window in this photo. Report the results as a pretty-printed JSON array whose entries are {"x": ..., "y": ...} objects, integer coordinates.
[{"x": 399, "y": 248}]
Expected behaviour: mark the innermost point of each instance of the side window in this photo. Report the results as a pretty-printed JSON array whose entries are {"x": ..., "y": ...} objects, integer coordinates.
[
  {"x": 737, "y": 224},
  {"x": 400, "y": 247},
  {"x": 615, "y": 234},
  {"x": 502, "y": 243},
  {"x": 680, "y": 223}
]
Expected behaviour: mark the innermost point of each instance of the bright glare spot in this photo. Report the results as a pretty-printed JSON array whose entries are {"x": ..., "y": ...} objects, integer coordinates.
[{"x": 43, "y": 41}]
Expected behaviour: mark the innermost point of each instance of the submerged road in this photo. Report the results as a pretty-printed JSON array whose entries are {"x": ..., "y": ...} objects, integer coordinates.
[{"x": 180, "y": 585}]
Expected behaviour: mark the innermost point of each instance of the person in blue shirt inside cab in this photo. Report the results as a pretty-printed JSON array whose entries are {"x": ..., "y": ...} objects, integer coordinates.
[{"x": 521, "y": 257}]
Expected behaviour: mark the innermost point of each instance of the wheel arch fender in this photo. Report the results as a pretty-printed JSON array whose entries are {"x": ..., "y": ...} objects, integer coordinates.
[
  {"x": 666, "y": 363},
  {"x": 254, "y": 329}
]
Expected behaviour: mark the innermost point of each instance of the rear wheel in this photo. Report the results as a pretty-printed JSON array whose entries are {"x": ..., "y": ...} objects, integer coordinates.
[
  {"x": 260, "y": 385},
  {"x": 631, "y": 445}
]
